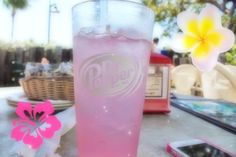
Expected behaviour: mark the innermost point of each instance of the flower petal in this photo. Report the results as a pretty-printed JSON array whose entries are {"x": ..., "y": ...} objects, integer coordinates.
[
  {"x": 24, "y": 122},
  {"x": 19, "y": 132},
  {"x": 33, "y": 139},
  {"x": 209, "y": 19},
  {"x": 202, "y": 50},
  {"x": 206, "y": 64},
  {"x": 188, "y": 22},
  {"x": 49, "y": 127},
  {"x": 222, "y": 39},
  {"x": 190, "y": 42},
  {"x": 215, "y": 38},
  {"x": 183, "y": 43},
  {"x": 43, "y": 110},
  {"x": 24, "y": 110}
]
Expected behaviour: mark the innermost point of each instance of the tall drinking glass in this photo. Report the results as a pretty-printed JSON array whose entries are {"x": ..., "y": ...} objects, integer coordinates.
[{"x": 112, "y": 43}]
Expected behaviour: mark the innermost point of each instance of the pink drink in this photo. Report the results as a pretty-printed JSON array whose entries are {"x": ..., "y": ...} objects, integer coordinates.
[{"x": 110, "y": 74}]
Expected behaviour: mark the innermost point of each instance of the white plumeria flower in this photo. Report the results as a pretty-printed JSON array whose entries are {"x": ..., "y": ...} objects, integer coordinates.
[{"x": 203, "y": 36}]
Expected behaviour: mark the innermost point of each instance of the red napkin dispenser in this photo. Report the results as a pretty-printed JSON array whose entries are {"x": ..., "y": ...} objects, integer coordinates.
[{"x": 157, "y": 94}]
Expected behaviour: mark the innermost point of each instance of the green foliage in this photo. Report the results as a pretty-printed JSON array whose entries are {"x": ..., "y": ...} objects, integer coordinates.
[
  {"x": 231, "y": 56},
  {"x": 166, "y": 12},
  {"x": 16, "y": 4}
]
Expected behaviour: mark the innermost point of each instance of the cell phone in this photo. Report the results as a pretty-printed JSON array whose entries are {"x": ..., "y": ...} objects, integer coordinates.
[{"x": 196, "y": 148}]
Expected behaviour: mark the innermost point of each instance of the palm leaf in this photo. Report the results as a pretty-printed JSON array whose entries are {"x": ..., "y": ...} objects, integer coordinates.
[{"x": 16, "y": 4}]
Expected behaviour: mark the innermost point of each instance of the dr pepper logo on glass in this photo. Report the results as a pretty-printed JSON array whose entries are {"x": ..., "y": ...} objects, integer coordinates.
[{"x": 111, "y": 74}]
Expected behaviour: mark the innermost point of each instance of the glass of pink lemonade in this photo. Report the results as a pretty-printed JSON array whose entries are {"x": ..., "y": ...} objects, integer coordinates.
[{"x": 112, "y": 44}]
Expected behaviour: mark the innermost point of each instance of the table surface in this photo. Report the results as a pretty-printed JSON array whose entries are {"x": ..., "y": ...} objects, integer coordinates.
[{"x": 157, "y": 130}]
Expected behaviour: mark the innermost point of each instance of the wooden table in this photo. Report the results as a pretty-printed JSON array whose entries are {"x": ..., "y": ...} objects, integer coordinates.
[{"x": 157, "y": 131}]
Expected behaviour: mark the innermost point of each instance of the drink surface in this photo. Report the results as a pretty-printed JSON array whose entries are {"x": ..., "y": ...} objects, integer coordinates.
[{"x": 110, "y": 71}]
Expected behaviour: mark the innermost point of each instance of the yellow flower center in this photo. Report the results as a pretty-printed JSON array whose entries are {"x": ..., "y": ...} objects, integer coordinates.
[{"x": 201, "y": 37}]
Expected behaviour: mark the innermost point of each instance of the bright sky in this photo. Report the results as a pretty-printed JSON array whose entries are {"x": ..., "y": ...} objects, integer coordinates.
[{"x": 32, "y": 23}]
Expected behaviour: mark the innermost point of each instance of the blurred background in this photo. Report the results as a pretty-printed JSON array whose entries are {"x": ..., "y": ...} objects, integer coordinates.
[{"x": 33, "y": 29}]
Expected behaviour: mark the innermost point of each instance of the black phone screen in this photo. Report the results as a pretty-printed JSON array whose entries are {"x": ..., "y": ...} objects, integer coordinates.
[{"x": 203, "y": 150}]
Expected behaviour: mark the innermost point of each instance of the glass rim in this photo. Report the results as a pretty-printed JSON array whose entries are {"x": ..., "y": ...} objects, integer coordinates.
[{"x": 123, "y": 1}]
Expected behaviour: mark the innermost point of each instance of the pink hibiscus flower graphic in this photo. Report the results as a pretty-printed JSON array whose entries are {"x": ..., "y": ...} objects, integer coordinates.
[{"x": 34, "y": 124}]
